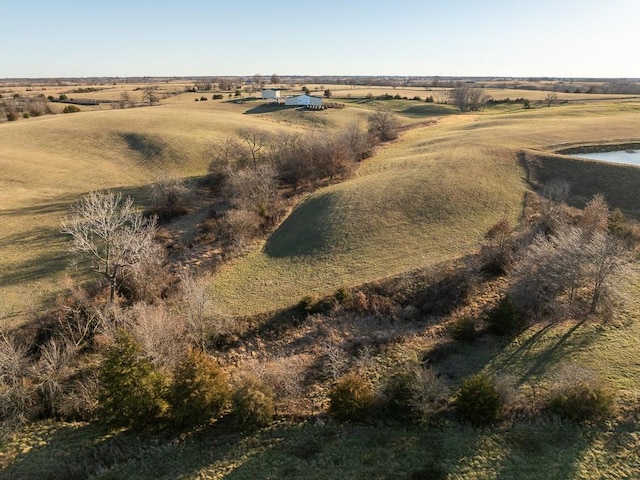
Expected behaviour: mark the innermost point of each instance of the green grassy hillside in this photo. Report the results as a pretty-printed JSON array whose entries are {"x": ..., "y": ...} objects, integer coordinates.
[{"x": 427, "y": 197}]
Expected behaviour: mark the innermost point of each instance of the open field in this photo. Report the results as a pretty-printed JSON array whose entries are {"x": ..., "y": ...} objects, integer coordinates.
[
  {"x": 49, "y": 162},
  {"x": 423, "y": 199},
  {"x": 426, "y": 197},
  {"x": 429, "y": 196}
]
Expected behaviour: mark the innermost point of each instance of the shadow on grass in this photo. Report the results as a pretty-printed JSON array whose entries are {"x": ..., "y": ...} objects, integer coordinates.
[
  {"x": 35, "y": 266},
  {"x": 270, "y": 108},
  {"x": 150, "y": 147},
  {"x": 304, "y": 232},
  {"x": 556, "y": 347},
  {"x": 618, "y": 183},
  {"x": 307, "y": 450},
  {"x": 44, "y": 248},
  {"x": 428, "y": 110}
]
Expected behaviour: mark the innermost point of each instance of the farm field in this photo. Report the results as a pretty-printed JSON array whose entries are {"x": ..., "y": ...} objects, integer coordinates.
[
  {"x": 422, "y": 203},
  {"x": 455, "y": 177}
]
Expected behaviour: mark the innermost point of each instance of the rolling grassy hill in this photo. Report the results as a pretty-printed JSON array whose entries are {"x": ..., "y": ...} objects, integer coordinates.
[
  {"x": 49, "y": 162},
  {"x": 427, "y": 197}
]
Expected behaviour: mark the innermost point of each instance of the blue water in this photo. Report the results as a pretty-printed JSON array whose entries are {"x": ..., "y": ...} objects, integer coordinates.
[{"x": 630, "y": 157}]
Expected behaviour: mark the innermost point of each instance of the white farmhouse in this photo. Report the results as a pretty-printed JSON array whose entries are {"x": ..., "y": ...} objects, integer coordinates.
[
  {"x": 271, "y": 94},
  {"x": 305, "y": 100}
]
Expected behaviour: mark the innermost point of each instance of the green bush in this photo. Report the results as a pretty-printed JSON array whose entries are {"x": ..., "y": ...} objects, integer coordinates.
[
  {"x": 70, "y": 109},
  {"x": 463, "y": 329},
  {"x": 413, "y": 394},
  {"x": 311, "y": 304},
  {"x": 132, "y": 391},
  {"x": 200, "y": 390},
  {"x": 12, "y": 117},
  {"x": 478, "y": 401},
  {"x": 351, "y": 399},
  {"x": 505, "y": 319},
  {"x": 582, "y": 402},
  {"x": 253, "y": 404}
]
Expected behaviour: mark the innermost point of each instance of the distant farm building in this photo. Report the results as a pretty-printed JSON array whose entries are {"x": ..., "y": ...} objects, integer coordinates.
[
  {"x": 304, "y": 100},
  {"x": 271, "y": 94}
]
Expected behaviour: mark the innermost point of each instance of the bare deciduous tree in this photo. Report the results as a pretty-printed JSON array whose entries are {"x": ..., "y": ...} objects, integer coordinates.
[
  {"x": 108, "y": 232},
  {"x": 551, "y": 98},
  {"x": 228, "y": 154},
  {"x": 253, "y": 189},
  {"x": 160, "y": 334},
  {"x": 125, "y": 100},
  {"x": 468, "y": 98},
  {"x": 55, "y": 356},
  {"x": 149, "y": 94},
  {"x": 256, "y": 140},
  {"x": 384, "y": 125}
]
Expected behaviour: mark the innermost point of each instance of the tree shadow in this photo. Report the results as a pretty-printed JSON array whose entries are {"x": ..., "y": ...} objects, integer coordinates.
[
  {"x": 556, "y": 346},
  {"x": 271, "y": 108},
  {"x": 428, "y": 110}
]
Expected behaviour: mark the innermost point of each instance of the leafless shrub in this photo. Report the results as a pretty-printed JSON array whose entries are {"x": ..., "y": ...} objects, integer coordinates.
[
  {"x": 253, "y": 189},
  {"x": 169, "y": 192},
  {"x": 414, "y": 393},
  {"x": 595, "y": 216},
  {"x": 160, "y": 333},
  {"x": 336, "y": 361},
  {"x": 16, "y": 389},
  {"x": 568, "y": 271},
  {"x": 242, "y": 226},
  {"x": 79, "y": 400},
  {"x": 497, "y": 251},
  {"x": 284, "y": 375},
  {"x": 53, "y": 370},
  {"x": 196, "y": 302}
]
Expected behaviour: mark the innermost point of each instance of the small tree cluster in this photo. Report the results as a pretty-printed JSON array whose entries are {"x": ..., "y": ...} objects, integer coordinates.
[
  {"x": 384, "y": 125},
  {"x": 468, "y": 98},
  {"x": 572, "y": 269}
]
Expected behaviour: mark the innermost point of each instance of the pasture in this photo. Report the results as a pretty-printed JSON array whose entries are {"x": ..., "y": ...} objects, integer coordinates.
[{"x": 425, "y": 198}]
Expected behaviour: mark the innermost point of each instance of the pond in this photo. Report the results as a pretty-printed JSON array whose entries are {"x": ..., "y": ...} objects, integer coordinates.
[{"x": 630, "y": 157}]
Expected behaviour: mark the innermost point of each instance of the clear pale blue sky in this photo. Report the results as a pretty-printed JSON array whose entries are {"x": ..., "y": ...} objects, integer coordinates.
[{"x": 564, "y": 38}]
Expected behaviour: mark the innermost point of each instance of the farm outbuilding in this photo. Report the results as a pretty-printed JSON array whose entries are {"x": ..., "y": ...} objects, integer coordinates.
[
  {"x": 271, "y": 94},
  {"x": 304, "y": 100}
]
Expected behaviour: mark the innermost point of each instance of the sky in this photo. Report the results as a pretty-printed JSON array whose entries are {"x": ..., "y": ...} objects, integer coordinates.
[{"x": 498, "y": 38}]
